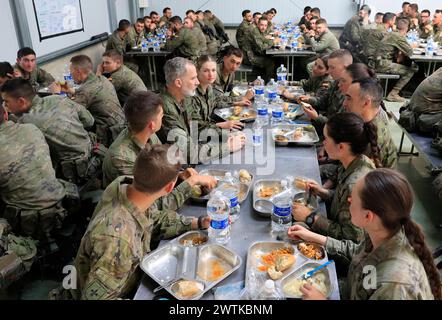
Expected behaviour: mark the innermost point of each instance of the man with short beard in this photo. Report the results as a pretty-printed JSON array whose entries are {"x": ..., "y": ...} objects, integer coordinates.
[{"x": 181, "y": 84}]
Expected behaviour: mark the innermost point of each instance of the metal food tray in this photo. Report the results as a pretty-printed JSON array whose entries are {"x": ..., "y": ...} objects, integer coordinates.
[
  {"x": 264, "y": 206},
  {"x": 226, "y": 113},
  {"x": 255, "y": 278},
  {"x": 324, "y": 252},
  {"x": 174, "y": 262},
  {"x": 295, "y": 111},
  {"x": 309, "y": 137},
  {"x": 306, "y": 267},
  {"x": 219, "y": 174}
]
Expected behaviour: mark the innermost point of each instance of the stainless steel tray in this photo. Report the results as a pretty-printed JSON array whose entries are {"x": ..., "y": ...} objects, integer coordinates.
[
  {"x": 207, "y": 264},
  {"x": 219, "y": 174},
  {"x": 309, "y": 137},
  {"x": 255, "y": 278},
  {"x": 227, "y": 114},
  {"x": 313, "y": 201},
  {"x": 324, "y": 252},
  {"x": 264, "y": 206},
  {"x": 306, "y": 267}
]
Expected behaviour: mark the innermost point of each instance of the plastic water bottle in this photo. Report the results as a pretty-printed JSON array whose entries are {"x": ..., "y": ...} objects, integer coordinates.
[
  {"x": 277, "y": 114},
  {"x": 231, "y": 187},
  {"x": 258, "y": 136},
  {"x": 263, "y": 113},
  {"x": 156, "y": 46},
  {"x": 218, "y": 209},
  {"x": 144, "y": 47},
  {"x": 271, "y": 90},
  {"x": 281, "y": 73},
  {"x": 259, "y": 89},
  {"x": 67, "y": 76},
  {"x": 270, "y": 292},
  {"x": 429, "y": 50},
  {"x": 282, "y": 211}
]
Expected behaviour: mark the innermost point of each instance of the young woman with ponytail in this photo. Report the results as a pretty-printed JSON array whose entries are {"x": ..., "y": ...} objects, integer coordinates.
[
  {"x": 346, "y": 137},
  {"x": 393, "y": 262}
]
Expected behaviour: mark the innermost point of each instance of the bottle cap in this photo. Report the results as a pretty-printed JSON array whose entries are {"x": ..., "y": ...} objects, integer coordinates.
[{"x": 269, "y": 284}]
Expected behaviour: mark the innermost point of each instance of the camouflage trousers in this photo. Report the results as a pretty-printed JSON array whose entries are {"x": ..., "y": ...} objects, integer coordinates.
[
  {"x": 406, "y": 73},
  {"x": 266, "y": 64}
]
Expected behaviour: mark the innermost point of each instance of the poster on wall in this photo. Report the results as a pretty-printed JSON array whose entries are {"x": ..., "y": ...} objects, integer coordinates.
[{"x": 58, "y": 17}]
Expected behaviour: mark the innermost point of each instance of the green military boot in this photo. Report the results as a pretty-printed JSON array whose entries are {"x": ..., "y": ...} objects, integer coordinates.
[{"x": 394, "y": 96}]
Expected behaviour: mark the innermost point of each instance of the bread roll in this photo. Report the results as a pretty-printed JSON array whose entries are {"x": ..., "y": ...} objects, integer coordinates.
[{"x": 284, "y": 262}]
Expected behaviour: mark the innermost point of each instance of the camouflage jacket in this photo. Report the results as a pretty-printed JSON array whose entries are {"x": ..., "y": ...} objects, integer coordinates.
[
  {"x": 222, "y": 87},
  {"x": 338, "y": 223},
  {"x": 117, "y": 238},
  {"x": 352, "y": 32},
  {"x": 316, "y": 86},
  {"x": 63, "y": 124},
  {"x": 125, "y": 82},
  {"x": 328, "y": 103},
  {"x": 116, "y": 43},
  {"x": 371, "y": 38},
  {"x": 257, "y": 44},
  {"x": 241, "y": 33},
  {"x": 325, "y": 43},
  {"x": 120, "y": 160},
  {"x": 27, "y": 179},
  {"x": 388, "y": 150},
  {"x": 98, "y": 95},
  {"x": 165, "y": 20},
  {"x": 178, "y": 127},
  {"x": 202, "y": 41},
  {"x": 400, "y": 274},
  {"x": 391, "y": 45},
  {"x": 427, "y": 98},
  {"x": 38, "y": 77},
  {"x": 438, "y": 34},
  {"x": 209, "y": 34},
  {"x": 204, "y": 103},
  {"x": 133, "y": 39},
  {"x": 424, "y": 34},
  {"x": 185, "y": 44}
]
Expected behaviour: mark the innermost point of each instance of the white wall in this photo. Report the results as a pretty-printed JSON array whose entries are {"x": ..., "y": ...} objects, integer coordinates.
[
  {"x": 123, "y": 10},
  {"x": 95, "y": 18},
  {"x": 9, "y": 41}
]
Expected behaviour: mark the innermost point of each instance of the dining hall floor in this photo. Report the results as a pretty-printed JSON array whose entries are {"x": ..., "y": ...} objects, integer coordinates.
[{"x": 427, "y": 212}]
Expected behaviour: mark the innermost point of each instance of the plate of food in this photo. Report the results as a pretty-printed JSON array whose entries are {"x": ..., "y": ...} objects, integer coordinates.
[
  {"x": 312, "y": 251},
  {"x": 242, "y": 114},
  {"x": 301, "y": 134}
]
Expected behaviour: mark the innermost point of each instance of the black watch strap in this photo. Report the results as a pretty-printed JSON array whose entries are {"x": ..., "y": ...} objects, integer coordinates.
[{"x": 200, "y": 222}]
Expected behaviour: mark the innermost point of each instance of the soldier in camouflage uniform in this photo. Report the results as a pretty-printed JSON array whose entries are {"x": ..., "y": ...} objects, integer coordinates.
[
  {"x": 323, "y": 42},
  {"x": 225, "y": 75},
  {"x": 125, "y": 81},
  {"x": 437, "y": 26},
  {"x": 119, "y": 41},
  {"x": 167, "y": 14},
  {"x": 181, "y": 83},
  {"x": 27, "y": 68},
  {"x": 144, "y": 114},
  {"x": 28, "y": 186},
  {"x": 351, "y": 37},
  {"x": 6, "y": 73},
  {"x": 425, "y": 27},
  {"x": 371, "y": 38},
  {"x": 98, "y": 95},
  {"x": 393, "y": 49},
  {"x": 426, "y": 102},
  {"x": 63, "y": 123},
  {"x": 330, "y": 102},
  {"x": 364, "y": 98},
  {"x": 244, "y": 28},
  {"x": 213, "y": 20},
  {"x": 198, "y": 33},
  {"x": 209, "y": 32},
  {"x": 255, "y": 46},
  {"x": 402, "y": 266},
  {"x": 206, "y": 100},
  {"x": 123, "y": 226},
  {"x": 349, "y": 129},
  {"x": 136, "y": 34},
  {"x": 183, "y": 43}
]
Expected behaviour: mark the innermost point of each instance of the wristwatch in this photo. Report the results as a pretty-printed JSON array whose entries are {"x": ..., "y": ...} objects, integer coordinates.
[
  {"x": 310, "y": 219},
  {"x": 200, "y": 222}
]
